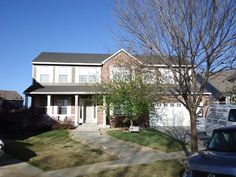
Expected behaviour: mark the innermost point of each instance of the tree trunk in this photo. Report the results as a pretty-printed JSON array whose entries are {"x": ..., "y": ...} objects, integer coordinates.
[{"x": 194, "y": 135}]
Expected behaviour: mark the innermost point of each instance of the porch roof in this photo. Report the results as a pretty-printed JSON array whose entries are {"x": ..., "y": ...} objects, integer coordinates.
[{"x": 65, "y": 90}]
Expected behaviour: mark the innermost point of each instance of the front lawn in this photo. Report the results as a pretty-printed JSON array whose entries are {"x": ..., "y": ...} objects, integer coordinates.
[
  {"x": 170, "y": 168},
  {"x": 150, "y": 138},
  {"x": 54, "y": 150}
]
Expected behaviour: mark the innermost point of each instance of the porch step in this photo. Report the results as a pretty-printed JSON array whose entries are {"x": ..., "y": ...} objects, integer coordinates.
[{"x": 89, "y": 127}]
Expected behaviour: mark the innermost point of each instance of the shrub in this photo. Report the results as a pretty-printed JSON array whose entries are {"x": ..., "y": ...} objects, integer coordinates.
[{"x": 118, "y": 121}]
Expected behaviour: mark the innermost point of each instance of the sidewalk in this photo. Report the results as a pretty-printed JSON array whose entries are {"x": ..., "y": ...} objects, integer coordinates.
[{"x": 127, "y": 153}]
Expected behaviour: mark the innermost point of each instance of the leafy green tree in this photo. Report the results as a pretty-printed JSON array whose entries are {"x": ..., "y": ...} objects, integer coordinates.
[{"x": 132, "y": 96}]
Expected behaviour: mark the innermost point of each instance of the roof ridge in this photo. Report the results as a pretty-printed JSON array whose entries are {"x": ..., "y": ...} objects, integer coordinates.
[{"x": 85, "y": 53}]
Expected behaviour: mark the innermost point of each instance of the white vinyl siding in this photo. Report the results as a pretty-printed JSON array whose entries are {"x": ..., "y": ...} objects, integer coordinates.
[{"x": 88, "y": 75}]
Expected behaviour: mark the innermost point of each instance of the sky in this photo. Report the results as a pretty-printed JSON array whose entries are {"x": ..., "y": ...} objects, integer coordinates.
[{"x": 29, "y": 27}]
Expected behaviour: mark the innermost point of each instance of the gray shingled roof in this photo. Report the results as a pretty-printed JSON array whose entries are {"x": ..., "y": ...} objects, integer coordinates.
[
  {"x": 71, "y": 57},
  {"x": 86, "y": 58},
  {"x": 10, "y": 95},
  {"x": 222, "y": 83},
  {"x": 83, "y": 89}
]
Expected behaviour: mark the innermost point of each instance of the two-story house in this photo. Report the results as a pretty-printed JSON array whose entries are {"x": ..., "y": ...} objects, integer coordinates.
[{"x": 64, "y": 85}]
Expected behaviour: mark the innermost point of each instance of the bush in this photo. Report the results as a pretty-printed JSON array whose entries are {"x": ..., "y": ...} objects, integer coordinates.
[
  {"x": 60, "y": 126},
  {"x": 121, "y": 121},
  {"x": 118, "y": 121}
]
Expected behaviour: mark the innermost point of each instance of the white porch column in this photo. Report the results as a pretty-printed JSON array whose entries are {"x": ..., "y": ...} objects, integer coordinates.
[
  {"x": 49, "y": 105},
  {"x": 76, "y": 110},
  {"x": 104, "y": 111},
  {"x": 26, "y": 101}
]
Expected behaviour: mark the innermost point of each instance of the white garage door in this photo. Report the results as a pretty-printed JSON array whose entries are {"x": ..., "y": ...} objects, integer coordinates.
[{"x": 170, "y": 114}]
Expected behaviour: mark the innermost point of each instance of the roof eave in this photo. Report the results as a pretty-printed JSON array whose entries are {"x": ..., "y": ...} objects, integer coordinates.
[{"x": 58, "y": 63}]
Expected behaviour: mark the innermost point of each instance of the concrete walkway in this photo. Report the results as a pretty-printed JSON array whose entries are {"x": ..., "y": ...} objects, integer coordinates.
[{"x": 127, "y": 153}]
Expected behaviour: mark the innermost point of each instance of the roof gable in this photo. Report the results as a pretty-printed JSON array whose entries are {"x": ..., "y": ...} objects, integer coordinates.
[{"x": 118, "y": 52}]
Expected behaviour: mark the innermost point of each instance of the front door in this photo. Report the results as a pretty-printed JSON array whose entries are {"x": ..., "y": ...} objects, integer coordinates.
[{"x": 89, "y": 112}]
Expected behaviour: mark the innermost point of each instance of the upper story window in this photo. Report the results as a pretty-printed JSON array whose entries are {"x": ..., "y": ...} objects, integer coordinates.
[
  {"x": 149, "y": 76},
  {"x": 167, "y": 76},
  {"x": 44, "y": 78},
  {"x": 44, "y": 74},
  {"x": 88, "y": 75},
  {"x": 63, "y": 74},
  {"x": 121, "y": 73},
  {"x": 63, "y": 78}
]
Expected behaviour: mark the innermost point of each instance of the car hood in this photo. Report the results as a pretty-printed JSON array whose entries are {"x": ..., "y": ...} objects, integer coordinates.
[{"x": 214, "y": 162}]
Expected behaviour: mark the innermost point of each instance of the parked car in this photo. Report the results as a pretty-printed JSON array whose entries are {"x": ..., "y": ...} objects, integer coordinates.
[
  {"x": 218, "y": 159},
  {"x": 220, "y": 116}
]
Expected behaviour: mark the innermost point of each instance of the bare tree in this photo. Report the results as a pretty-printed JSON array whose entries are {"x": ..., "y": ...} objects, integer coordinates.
[{"x": 188, "y": 36}]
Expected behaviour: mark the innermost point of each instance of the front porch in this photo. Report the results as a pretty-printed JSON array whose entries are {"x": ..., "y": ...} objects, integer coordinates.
[{"x": 76, "y": 109}]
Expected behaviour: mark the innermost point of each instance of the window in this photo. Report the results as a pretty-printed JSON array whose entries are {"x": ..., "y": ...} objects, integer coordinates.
[
  {"x": 178, "y": 104},
  {"x": 92, "y": 79},
  {"x": 88, "y": 79},
  {"x": 167, "y": 77},
  {"x": 63, "y": 78},
  {"x": 165, "y": 104},
  {"x": 44, "y": 78},
  {"x": 44, "y": 74},
  {"x": 88, "y": 75},
  {"x": 232, "y": 115},
  {"x": 62, "y": 106},
  {"x": 149, "y": 76},
  {"x": 121, "y": 73},
  {"x": 64, "y": 74}
]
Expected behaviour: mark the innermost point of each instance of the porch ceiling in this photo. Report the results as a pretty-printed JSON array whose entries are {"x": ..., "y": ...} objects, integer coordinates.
[{"x": 58, "y": 89}]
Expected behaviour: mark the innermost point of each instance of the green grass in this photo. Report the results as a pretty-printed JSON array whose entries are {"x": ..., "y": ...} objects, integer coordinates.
[
  {"x": 150, "y": 138},
  {"x": 54, "y": 150},
  {"x": 170, "y": 168}
]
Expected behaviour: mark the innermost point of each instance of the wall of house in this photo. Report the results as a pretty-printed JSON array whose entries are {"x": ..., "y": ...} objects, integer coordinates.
[
  {"x": 72, "y": 73},
  {"x": 121, "y": 59}
]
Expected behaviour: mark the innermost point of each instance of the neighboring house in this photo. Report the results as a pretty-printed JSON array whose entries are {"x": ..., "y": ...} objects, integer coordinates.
[
  {"x": 64, "y": 85},
  {"x": 222, "y": 85},
  {"x": 10, "y": 100}
]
